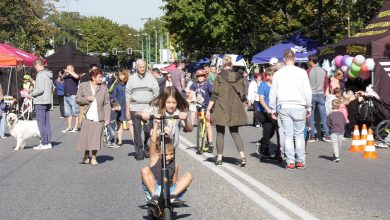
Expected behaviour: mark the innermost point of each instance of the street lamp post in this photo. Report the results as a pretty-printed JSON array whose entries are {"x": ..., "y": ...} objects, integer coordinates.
[
  {"x": 155, "y": 45},
  {"x": 149, "y": 51}
]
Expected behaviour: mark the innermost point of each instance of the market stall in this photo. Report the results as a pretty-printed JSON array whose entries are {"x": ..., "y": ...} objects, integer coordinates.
[
  {"x": 302, "y": 46},
  {"x": 372, "y": 42}
]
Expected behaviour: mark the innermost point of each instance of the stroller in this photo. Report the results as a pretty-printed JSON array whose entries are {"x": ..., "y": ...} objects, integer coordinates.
[{"x": 110, "y": 133}]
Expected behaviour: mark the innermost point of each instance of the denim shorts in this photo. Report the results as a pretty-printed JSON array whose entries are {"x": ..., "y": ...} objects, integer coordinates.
[
  {"x": 71, "y": 108},
  {"x": 148, "y": 195}
]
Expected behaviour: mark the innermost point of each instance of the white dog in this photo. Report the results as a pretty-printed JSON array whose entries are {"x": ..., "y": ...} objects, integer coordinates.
[{"x": 22, "y": 130}]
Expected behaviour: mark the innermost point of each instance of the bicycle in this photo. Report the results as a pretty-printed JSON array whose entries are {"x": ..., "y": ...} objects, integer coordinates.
[
  {"x": 382, "y": 131},
  {"x": 201, "y": 131},
  {"x": 27, "y": 109}
]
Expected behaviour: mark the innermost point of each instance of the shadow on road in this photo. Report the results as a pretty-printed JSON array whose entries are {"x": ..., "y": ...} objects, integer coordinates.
[
  {"x": 55, "y": 143},
  {"x": 128, "y": 142},
  {"x": 104, "y": 158},
  {"x": 174, "y": 214},
  {"x": 326, "y": 157},
  {"x": 231, "y": 160}
]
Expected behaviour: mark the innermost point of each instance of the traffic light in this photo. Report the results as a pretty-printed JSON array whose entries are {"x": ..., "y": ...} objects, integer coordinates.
[
  {"x": 114, "y": 51},
  {"x": 129, "y": 51}
]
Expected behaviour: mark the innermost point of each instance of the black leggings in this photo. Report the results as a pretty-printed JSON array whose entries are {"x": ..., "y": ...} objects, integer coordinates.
[{"x": 235, "y": 135}]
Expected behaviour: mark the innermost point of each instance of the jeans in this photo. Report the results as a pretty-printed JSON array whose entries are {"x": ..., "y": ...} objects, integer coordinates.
[
  {"x": 3, "y": 119},
  {"x": 43, "y": 120},
  {"x": 318, "y": 100},
  {"x": 293, "y": 121},
  {"x": 71, "y": 107},
  {"x": 337, "y": 140}
]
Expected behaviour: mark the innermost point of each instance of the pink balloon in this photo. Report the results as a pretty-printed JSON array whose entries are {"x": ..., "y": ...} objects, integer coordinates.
[{"x": 338, "y": 60}]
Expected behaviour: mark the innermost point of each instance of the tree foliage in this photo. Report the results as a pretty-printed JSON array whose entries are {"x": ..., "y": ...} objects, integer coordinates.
[
  {"x": 23, "y": 24},
  {"x": 249, "y": 26}
]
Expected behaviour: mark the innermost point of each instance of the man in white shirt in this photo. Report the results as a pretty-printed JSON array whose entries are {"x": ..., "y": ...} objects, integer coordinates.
[{"x": 290, "y": 99}]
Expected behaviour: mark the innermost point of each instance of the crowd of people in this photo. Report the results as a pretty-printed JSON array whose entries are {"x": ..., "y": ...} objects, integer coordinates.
[{"x": 284, "y": 98}]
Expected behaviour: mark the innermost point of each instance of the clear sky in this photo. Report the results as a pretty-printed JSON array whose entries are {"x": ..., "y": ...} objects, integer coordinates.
[{"x": 121, "y": 11}]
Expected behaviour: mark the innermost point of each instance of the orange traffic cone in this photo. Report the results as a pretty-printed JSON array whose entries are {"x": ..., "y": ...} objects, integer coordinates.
[
  {"x": 369, "y": 151},
  {"x": 355, "y": 147},
  {"x": 363, "y": 138}
]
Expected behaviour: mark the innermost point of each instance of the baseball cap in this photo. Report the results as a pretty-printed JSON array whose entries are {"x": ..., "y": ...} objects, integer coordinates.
[{"x": 273, "y": 61}]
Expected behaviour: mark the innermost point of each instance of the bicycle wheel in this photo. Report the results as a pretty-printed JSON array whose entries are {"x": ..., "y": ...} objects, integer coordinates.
[
  {"x": 199, "y": 140},
  {"x": 382, "y": 130},
  {"x": 24, "y": 111},
  {"x": 167, "y": 213}
]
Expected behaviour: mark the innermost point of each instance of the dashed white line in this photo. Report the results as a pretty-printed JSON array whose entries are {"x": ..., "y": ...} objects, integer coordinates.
[{"x": 259, "y": 200}]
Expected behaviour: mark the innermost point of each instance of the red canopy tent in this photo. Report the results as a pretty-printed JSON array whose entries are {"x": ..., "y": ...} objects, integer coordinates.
[
  {"x": 14, "y": 59},
  {"x": 11, "y": 57},
  {"x": 7, "y": 60}
]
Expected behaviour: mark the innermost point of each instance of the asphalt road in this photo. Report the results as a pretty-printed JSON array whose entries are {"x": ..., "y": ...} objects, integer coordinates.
[{"x": 53, "y": 184}]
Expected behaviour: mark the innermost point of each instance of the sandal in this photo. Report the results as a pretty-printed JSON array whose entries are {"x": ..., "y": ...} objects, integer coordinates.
[
  {"x": 218, "y": 163},
  {"x": 242, "y": 162}
]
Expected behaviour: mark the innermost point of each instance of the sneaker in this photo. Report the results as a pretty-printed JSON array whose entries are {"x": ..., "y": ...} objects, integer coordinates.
[
  {"x": 327, "y": 139},
  {"x": 67, "y": 130},
  {"x": 312, "y": 139},
  {"x": 74, "y": 130},
  {"x": 381, "y": 145},
  {"x": 39, "y": 147},
  {"x": 257, "y": 126},
  {"x": 3, "y": 137},
  {"x": 211, "y": 149},
  {"x": 290, "y": 166},
  {"x": 301, "y": 165},
  {"x": 154, "y": 209},
  {"x": 48, "y": 146},
  {"x": 337, "y": 159}
]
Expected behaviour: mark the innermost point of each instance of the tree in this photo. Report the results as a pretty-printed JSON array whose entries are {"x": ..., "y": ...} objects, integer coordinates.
[
  {"x": 249, "y": 26},
  {"x": 22, "y": 24}
]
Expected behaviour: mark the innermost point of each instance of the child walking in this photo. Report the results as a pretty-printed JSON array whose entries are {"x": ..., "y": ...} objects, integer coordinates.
[{"x": 336, "y": 123}]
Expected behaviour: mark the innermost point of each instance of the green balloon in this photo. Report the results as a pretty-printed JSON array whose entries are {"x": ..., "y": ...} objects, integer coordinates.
[
  {"x": 353, "y": 74},
  {"x": 355, "y": 68}
]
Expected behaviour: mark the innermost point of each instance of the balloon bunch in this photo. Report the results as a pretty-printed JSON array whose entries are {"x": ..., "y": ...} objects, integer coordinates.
[{"x": 354, "y": 67}]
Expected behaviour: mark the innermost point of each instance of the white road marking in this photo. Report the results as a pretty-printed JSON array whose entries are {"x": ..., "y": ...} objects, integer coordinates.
[
  {"x": 303, "y": 214},
  {"x": 255, "y": 197}
]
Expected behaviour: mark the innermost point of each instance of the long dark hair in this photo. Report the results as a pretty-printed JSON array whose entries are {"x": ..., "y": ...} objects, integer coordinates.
[{"x": 169, "y": 91}]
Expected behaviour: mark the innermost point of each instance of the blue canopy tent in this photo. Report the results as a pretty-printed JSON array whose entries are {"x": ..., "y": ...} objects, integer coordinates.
[
  {"x": 302, "y": 46},
  {"x": 198, "y": 64}
]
